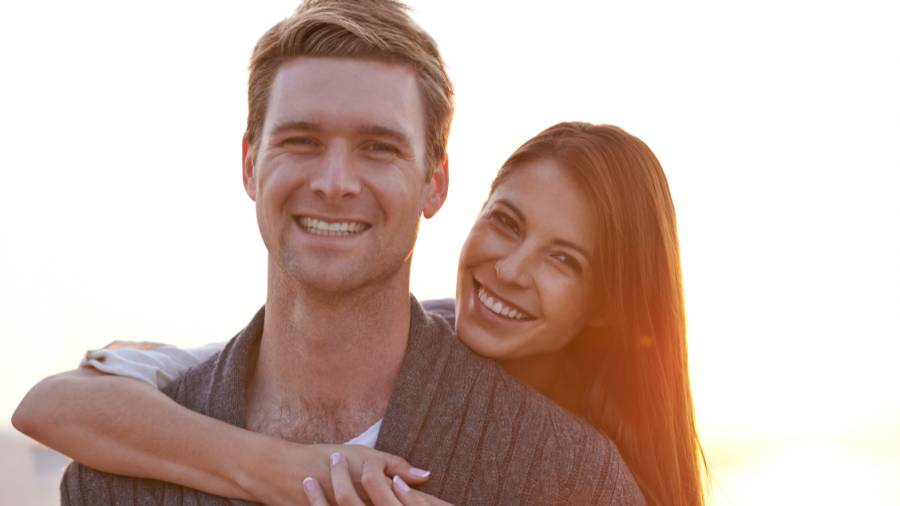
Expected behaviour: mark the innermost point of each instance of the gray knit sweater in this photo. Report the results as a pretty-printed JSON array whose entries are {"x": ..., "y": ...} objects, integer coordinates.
[{"x": 487, "y": 438}]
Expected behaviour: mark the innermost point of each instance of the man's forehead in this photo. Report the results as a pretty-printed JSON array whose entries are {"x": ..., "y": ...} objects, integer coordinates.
[{"x": 347, "y": 93}]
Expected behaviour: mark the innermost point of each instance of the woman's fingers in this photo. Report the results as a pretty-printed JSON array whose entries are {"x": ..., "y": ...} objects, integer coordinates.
[
  {"x": 381, "y": 491},
  {"x": 341, "y": 483},
  {"x": 411, "y": 497},
  {"x": 377, "y": 485},
  {"x": 314, "y": 492},
  {"x": 397, "y": 466}
]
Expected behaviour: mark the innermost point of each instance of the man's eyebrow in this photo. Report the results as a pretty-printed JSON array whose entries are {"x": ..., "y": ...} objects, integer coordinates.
[
  {"x": 296, "y": 125},
  {"x": 390, "y": 133},
  {"x": 376, "y": 130},
  {"x": 560, "y": 242}
]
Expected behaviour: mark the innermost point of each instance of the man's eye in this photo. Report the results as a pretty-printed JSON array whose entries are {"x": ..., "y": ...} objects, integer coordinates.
[
  {"x": 381, "y": 147},
  {"x": 505, "y": 221}
]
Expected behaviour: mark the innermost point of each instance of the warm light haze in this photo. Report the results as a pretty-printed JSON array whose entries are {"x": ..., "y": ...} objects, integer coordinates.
[{"x": 778, "y": 124}]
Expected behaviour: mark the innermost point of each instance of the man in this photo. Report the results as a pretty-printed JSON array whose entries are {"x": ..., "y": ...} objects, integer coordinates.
[{"x": 349, "y": 114}]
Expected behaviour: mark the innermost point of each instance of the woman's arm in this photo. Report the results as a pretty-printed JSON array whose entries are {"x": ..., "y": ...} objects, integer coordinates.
[{"x": 124, "y": 426}]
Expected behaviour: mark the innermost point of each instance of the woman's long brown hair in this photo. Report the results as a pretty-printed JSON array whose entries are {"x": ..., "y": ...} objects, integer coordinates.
[{"x": 629, "y": 378}]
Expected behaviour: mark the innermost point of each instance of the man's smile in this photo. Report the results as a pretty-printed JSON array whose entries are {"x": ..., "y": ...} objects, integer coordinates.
[{"x": 339, "y": 227}]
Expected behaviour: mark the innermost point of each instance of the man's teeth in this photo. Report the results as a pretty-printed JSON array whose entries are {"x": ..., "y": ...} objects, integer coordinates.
[
  {"x": 320, "y": 227},
  {"x": 499, "y": 307}
]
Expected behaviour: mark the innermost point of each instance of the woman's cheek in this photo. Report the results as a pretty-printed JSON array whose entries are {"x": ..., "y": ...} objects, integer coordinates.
[{"x": 477, "y": 243}]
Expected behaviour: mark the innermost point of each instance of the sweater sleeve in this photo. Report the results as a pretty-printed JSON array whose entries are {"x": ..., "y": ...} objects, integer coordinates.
[{"x": 157, "y": 367}]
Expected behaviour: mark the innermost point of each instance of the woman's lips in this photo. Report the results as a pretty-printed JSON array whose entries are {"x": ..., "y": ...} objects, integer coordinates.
[{"x": 499, "y": 306}]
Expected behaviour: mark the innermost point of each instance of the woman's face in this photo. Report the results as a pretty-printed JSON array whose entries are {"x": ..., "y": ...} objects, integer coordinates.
[{"x": 525, "y": 277}]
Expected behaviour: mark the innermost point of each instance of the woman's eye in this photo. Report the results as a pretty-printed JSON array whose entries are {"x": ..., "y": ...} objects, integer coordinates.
[
  {"x": 505, "y": 221},
  {"x": 568, "y": 261}
]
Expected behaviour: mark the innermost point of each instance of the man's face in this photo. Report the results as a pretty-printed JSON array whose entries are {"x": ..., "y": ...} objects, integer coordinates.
[{"x": 339, "y": 176}]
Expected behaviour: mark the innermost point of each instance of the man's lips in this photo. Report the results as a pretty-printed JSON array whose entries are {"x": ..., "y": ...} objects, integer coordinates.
[
  {"x": 331, "y": 226},
  {"x": 499, "y": 306}
]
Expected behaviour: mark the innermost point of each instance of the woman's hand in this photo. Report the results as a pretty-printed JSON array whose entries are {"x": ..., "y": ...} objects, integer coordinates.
[
  {"x": 273, "y": 470},
  {"x": 380, "y": 490}
]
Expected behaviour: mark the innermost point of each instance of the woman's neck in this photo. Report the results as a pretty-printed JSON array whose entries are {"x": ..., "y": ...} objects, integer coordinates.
[
  {"x": 548, "y": 374},
  {"x": 538, "y": 371}
]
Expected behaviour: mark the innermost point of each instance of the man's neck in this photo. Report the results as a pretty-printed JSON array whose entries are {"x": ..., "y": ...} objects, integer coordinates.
[{"x": 332, "y": 356}]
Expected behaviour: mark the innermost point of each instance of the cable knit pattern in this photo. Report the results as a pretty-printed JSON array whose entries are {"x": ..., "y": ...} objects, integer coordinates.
[{"x": 487, "y": 438}]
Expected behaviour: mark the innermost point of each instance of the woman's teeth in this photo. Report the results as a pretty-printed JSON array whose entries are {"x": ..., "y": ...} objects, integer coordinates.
[
  {"x": 320, "y": 227},
  {"x": 498, "y": 307}
]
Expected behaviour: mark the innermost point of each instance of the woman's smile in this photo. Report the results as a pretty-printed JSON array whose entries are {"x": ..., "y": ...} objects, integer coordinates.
[{"x": 499, "y": 306}]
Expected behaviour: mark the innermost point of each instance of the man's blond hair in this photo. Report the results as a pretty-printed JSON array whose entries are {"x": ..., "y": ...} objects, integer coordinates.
[{"x": 365, "y": 29}]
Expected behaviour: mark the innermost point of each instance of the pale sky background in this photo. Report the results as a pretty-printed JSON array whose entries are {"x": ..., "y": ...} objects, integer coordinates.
[{"x": 777, "y": 122}]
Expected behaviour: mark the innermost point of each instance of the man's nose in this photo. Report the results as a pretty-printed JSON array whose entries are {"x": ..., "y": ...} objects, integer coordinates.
[
  {"x": 335, "y": 178},
  {"x": 514, "y": 268}
]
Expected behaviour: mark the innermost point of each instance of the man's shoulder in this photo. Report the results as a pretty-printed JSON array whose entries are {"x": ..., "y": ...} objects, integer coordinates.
[
  {"x": 507, "y": 402},
  {"x": 196, "y": 390},
  {"x": 460, "y": 377},
  {"x": 215, "y": 388},
  {"x": 537, "y": 448},
  {"x": 490, "y": 439}
]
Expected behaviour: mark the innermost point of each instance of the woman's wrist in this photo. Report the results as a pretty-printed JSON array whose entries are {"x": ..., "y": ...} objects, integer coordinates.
[
  {"x": 267, "y": 469},
  {"x": 245, "y": 461}
]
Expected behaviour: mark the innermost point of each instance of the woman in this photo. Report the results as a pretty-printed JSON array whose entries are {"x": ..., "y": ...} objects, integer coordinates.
[{"x": 570, "y": 279}]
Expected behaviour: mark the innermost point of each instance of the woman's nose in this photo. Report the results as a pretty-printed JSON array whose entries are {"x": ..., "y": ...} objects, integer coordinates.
[{"x": 513, "y": 269}]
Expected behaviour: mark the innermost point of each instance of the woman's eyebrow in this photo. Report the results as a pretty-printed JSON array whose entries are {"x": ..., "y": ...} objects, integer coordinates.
[{"x": 515, "y": 210}]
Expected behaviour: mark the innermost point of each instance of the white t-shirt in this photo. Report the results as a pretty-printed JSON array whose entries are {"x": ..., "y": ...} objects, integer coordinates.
[{"x": 160, "y": 366}]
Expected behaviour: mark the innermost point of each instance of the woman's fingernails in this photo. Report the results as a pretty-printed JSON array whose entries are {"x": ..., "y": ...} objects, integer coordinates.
[
  {"x": 401, "y": 484},
  {"x": 310, "y": 484},
  {"x": 335, "y": 458},
  {"x": 420, "y": 473}
]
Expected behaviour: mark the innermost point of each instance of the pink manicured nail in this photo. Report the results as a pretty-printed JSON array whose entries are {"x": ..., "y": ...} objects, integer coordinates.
[
  {"x": 335, "y": 458},
  {"x": 401, "y": 484},
  {"x": 310, "y": 484},
  {"x": 421, "y": 473}
]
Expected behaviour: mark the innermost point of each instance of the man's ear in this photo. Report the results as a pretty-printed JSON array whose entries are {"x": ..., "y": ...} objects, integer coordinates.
[
  {"x": 437, "y": 189},
  {"x": 248, "y": 170}
]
